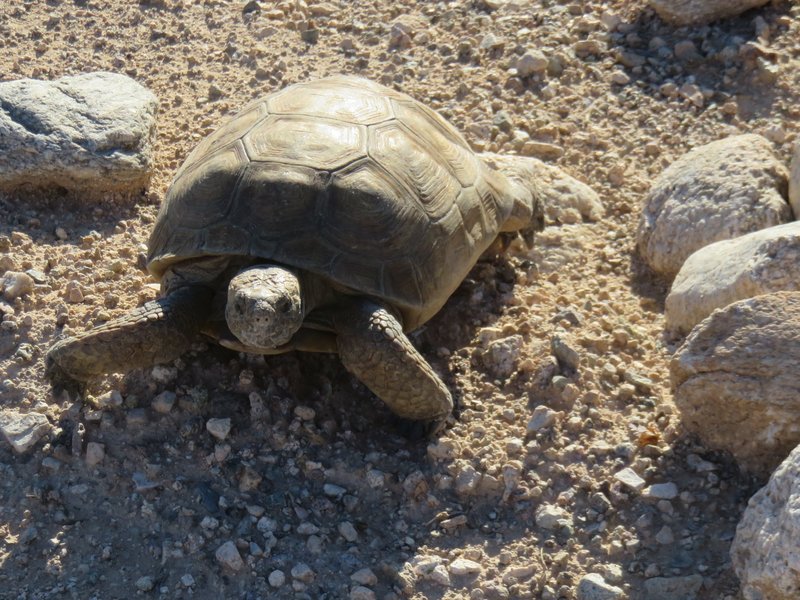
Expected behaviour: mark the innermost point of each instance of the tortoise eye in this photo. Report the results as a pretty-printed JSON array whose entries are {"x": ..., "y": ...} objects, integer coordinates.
[{"x": 283, "y": 306}]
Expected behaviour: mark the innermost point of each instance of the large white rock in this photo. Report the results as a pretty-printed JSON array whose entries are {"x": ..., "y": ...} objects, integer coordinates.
[
  {"x": 794, "y": 181},
  {"x": 90, "y": 133},
  {"x": 715, "y": 192},
  {"x": 765, "y": 552},
  {"x": 698, "y": 12},
  {"x": 757, "y": 263},
  {"x": 735, "y": 380}
]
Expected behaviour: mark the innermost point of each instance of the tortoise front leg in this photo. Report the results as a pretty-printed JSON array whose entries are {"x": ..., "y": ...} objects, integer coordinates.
[
  {"x": 157, "y": 332},
  {"x": 374, "y": 348}
]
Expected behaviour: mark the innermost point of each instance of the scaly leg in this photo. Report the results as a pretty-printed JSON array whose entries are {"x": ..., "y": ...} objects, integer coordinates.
[{"x": 158, "y": 331}]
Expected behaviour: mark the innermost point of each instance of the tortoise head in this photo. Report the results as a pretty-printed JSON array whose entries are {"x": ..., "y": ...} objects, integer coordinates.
[{"x": 265, "y": 306}]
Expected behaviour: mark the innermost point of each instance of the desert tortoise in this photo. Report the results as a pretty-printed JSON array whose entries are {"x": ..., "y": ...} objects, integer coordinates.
[{"x": 333, "y": 216}]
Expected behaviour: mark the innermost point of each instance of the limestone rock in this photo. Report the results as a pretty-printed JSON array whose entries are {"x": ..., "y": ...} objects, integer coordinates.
[
  {"x": 794, "y": 181},
  {"x": 91, "y": 133},
  {"x": 735, "y": 380},
  {"x": 721, "y": 273},
  {"x": 565, "y": 199},
  {"x": 715, "y": 192},
  {"x": 699, "y": 12},
  {"x": 765, "y": 554},
  {"x": 22, "y": 431}
]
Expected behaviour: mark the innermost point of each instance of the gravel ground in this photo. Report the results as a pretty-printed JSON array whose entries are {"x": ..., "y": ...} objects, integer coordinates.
[{"x": 569, "y": 466}]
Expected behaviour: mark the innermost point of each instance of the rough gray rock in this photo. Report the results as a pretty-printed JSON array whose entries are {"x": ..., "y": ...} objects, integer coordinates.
[
  {"x": 22, "y": 431},
  {"x": 735, "y": 380},
  {"x": 699, "y": 12},
  {"x": 90, "y": 133},
  {"x": 757, "y": 263},
  {"x": 794, "y": 181},
  {"x": 565, "y": 199},
  {"x": 715, "y": 192},
  {"x": 765, "y": 554}
]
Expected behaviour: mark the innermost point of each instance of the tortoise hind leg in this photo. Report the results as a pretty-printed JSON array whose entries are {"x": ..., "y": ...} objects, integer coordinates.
[
  {"x": 373, "y": 347},
  {"x": 158, "y": 331}
]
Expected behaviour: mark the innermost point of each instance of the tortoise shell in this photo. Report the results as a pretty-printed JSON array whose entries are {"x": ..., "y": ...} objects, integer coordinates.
[{"x": 345, "y": 178}]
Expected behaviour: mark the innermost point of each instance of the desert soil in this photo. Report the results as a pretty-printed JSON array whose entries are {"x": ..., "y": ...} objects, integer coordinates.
[{"x": 314, "y": 487}]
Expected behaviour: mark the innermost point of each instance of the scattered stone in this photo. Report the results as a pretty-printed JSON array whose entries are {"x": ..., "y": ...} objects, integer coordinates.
[
  {"x": 630, "y": 478},
  {"x": 187, "y": 580},
  {"x": 249, "y": 479},
  {"x": 700, "y": 12},
  {"x": 532, "y": 62},
  {"x": 136, "y": 417},
  {"x": 565, "y": 354},
  {"x": 502, "y": 355},
  {"x": 23, "y": 430},
  {"x": 715, "y": 192},
  {"x": 463, "y": 566},
  {"x": 665, "y": 536},
  {"x": 219, "y": 428},
  {"x": 90, "y": 133},
  {"x": 228, "y": 556},
  {"x": 764, "y": 551},
  {"x": 661, "y": 491},
  {"x": 543, "y": 417},
  {"x": 620, "y": 78},
  {"x": 592, "y": 586},
  {"x": 724, "y": 272},
  {"x": 360, "y": 592},
  {"x": 364, "y": 577},
  {"x": 14, "y": 285},
  {"x": 735, "y": 382},
  {"x": 142, "y": 483},
  {"x": 164, "y": 402},
  {"x": 348, "y": 532},
  {"x": 302, "y": 572},
  {"x": 549, "y": 516},
  {"x": 333, "y": 491},
  {"x": 670, "y": 588},
  {"x": 95, "y": 453},
  {"x": 277, "y": 578},
  {"x": 440, "y": 575},
  {"x": 145, "y": 584},
  {"x": 467, "y": 480}
]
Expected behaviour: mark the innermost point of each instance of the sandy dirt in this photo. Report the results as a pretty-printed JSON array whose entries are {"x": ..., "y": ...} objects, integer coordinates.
[{"x": 314, "y": 487}]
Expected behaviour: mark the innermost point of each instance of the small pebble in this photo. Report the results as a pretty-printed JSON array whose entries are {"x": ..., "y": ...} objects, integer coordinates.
[
  {"x": 164, "y": 402},
  {"x": 364, "y": 577},
  {"x": 662, "y": 491},
  {"x": 219, "y": 428},
  {"x": 95, "y": 453},
  {"x": 463, "y": 566},
  {"x": 543, "y": 417},
  {"x": 276, "y": 578},
  {"x": 145, "y": 584},
  {"x": 302, "y": 572},
  {"x": 228, "y": 556},
  {"x": 348, "y": 532},
  {"x": 360, "y": 592},
  {"x": 630, "y": 478},
  {"x": 15, "y": 285}
]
